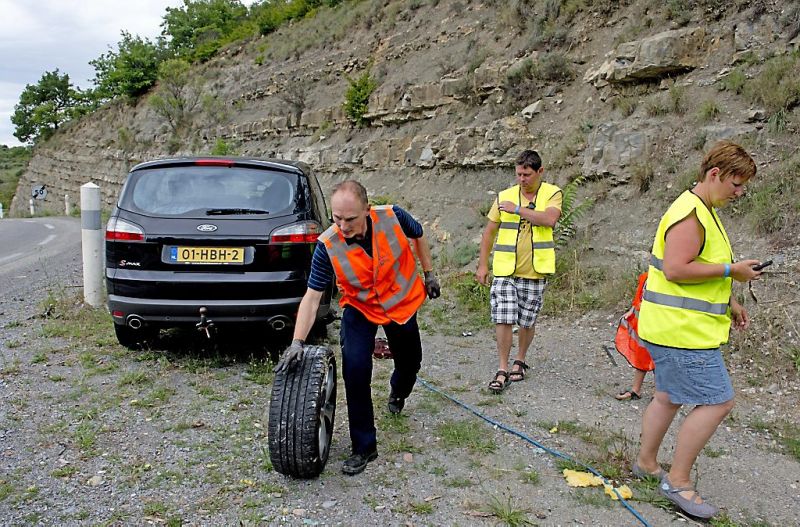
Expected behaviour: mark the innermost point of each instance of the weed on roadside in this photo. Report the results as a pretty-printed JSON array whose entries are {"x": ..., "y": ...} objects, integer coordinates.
[
  {"x": 506, "y": 512},
  {"x": 260, "y": 371},
  {"x": 464, "y": 434}
]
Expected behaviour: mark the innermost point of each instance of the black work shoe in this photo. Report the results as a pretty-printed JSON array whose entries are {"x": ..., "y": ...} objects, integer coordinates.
[
  {"x": 395, "y": 404},
  {"x": 356, "y": 463}
]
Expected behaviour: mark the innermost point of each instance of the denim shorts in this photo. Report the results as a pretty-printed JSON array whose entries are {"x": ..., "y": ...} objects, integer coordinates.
[{"x": 696, "y": 377}]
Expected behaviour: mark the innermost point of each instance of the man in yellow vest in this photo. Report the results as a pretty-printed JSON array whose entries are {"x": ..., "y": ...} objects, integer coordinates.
[
  {"x": 520, "y": 225},
  {"x": 685, "y": 317}
]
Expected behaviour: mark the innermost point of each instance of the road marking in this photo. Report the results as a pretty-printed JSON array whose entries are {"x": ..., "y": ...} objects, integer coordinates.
[
  {"x": 49, "y": 226},
  {"x": 9, "y": 257},
  {"x": 47, "y": 240}
]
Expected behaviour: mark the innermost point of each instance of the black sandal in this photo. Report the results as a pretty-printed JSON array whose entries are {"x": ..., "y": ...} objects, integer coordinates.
[
  {"x": 519, "y": 375},
  {"x": 627, "y": 395},
  {"x": 496, "y": 385}
]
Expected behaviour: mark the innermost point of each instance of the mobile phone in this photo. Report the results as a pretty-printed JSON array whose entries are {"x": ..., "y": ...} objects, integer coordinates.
[{"x": 762, "y": 265}]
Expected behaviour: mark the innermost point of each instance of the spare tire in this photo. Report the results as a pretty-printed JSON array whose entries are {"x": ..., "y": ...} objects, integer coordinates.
[{"x": 301, "y": 413}]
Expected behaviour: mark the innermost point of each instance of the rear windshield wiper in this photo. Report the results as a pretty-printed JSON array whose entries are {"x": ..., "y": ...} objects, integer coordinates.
[{"x": 222, "y": 212}]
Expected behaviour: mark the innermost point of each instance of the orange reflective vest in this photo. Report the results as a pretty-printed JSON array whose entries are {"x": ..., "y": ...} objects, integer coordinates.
[
  {"x": 384, "y": 287},
  {"x": 627, "y": 339}
]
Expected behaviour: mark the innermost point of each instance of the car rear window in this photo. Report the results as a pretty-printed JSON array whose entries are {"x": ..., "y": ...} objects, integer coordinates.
[{"x": 201, "y": 191}]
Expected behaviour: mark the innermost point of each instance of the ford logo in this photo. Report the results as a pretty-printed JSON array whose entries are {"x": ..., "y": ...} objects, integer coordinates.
[{"x": 206, "y": 227}]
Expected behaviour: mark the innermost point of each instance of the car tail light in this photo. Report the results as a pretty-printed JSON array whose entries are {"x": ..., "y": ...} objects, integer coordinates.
[
  {"x": 214, "y": 163},
  {"x": 123, "y": 231},
  {"x": 304, "y": 232}
]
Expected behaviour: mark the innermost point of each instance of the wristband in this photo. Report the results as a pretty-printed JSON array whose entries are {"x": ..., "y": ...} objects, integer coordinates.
[
  {"x": 516, "y": 211},
  {"x": 727, "y": 272}
]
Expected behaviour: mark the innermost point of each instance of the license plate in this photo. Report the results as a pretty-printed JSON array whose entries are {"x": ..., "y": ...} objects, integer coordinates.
[{"x": 207, "y": 255}]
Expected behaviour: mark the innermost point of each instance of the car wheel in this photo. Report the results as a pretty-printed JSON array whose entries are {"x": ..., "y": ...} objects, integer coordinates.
[
  {"x": 301, "y": 413},
  {"x": 135, "y": 339}
]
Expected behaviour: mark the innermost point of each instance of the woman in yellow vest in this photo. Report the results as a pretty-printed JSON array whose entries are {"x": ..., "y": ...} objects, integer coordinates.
[{"x": 685, "y": 316}]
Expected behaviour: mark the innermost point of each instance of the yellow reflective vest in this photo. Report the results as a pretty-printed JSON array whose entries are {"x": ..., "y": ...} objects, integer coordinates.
[
  {"x": 504, "y": 261},
  {"x": 690, "y": 316}
]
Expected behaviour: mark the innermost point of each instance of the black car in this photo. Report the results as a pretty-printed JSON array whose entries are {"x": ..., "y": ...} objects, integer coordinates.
[{"x": 212, "y": 241}]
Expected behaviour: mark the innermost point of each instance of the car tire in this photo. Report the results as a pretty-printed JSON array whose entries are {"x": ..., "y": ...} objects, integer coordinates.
[
  {"x": 301, "y": 414},
  {"x": 135, "y": 339}
]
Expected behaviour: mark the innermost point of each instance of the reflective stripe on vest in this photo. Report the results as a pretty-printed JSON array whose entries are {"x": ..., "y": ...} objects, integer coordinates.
[
  {"x": 504, "y": 260},
  {"x": 384, "y": 287},
  {"x": 684, "y": 315}
]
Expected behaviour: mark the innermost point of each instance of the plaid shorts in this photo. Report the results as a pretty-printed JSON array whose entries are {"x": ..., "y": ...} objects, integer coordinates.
[{"x": 516, "y": 300}]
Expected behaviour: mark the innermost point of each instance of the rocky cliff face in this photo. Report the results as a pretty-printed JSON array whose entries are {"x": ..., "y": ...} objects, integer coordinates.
[{"x": 612, "y": 90}]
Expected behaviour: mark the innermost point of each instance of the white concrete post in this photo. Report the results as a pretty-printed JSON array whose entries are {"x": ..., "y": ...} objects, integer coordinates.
[
  {"x": 66, "y": 204},
  {"x": 92, "y": 242},
  {"x": 33, "y": 209},
  {"x": 1, "y": 211}
]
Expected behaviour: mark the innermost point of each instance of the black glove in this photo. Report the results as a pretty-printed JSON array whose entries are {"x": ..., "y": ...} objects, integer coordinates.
[
  {"x": 292, "y": 356},
  {"x": 432, "y": 285}
]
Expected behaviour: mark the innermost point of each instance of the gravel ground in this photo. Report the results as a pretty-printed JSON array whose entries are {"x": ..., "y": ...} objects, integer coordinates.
[{"x": 93, "y": 434}]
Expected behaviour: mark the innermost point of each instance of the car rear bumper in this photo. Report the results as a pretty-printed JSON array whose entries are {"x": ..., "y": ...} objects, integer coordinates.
[{"x": 174, "y": 312}]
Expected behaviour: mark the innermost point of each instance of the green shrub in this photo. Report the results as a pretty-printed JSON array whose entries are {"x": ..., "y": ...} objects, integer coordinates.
[
  {"x": 357, "y": 97},
  {"x": 656, "y": 107},
  {"x": 676, "y": 97},
  {"x": 708, "y": 111},
  {"x": 222, "y": 148},
  {"x": 734, "y": 81},
  {"x": 771, "y": 202},
  {"x": 777, "y": 86}
]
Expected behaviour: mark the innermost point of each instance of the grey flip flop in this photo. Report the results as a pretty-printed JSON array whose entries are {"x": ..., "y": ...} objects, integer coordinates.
[{"x": 689, "y": 506}]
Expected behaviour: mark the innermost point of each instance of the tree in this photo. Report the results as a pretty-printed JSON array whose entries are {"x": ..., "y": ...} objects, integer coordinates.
[
  {"x": 131, "y": 70},
  {"x": 356, "y": 98},
  {"x": 197, "y": 29},
  {"x": 177, "y": 94},
  {"x": 44, "y": 106}
]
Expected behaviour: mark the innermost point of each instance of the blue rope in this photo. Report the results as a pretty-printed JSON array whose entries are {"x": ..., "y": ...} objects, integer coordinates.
[{"x": 532, "y": 441}]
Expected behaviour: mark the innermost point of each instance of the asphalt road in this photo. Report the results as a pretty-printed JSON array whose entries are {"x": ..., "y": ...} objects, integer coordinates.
[{"x": 37, "y": 251}]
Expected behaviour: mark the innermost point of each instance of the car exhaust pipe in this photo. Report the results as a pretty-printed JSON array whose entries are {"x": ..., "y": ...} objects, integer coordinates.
[
  {"x": 279, "y": 322},
  {"x": 134, "y": 321}
]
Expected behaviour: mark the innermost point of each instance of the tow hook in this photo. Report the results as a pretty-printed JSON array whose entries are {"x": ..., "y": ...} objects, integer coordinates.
[{"x": 206, "y": 324}]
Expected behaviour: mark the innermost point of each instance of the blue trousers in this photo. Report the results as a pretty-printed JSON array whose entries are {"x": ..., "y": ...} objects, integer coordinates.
[{"x": 357, "y": 337}]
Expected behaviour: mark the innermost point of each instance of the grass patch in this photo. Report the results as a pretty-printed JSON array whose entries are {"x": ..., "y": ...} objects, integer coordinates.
[
  {"x": 770, "y": 203},
  {"x": 611, "y": 451},
  {"x": 420, "y": 507},
  {"x": 734, "y": 81},
  {"x": 85, "y": 437},
  {"x": 577, "y": 287},
  {"x": 506, "y": 512},
  {"x": 777, "y": 86},
  {"x": 156, "y": 397},
  {"x": 260, "y": 371},
  {"x": 708, "y": 111},
  {"x": 134, "y": 378},
  {"x": 458, "y": 482},
  {"x": 465, "y": 434},
  {"x": 402, "y": 445},
  {"x": 394, "y": 423},
  {"x": 531, "y": 476},
  {"x": 64, "y": 472}
]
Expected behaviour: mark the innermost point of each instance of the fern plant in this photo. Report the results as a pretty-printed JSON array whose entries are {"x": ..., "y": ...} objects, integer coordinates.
[{"x": 571, "y": 211}]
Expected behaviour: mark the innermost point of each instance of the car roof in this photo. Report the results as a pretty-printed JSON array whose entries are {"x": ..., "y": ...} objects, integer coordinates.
[{"x": 246, "y": 162}]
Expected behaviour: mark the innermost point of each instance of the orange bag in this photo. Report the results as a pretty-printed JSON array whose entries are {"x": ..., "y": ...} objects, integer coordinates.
[{"x": 627, "y": 340}]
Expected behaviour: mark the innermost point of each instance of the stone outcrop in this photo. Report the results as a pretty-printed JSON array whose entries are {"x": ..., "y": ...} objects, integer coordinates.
[
  {"x": 667, "y": 53},
  {"x": 612, "y": 148}
]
